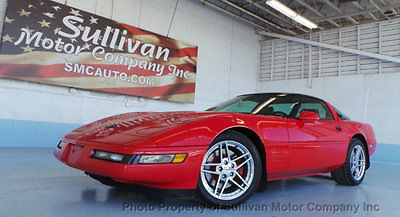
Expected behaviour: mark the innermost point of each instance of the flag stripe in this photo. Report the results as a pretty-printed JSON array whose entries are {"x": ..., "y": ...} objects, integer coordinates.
[
  {"x": 93, "y": 82},
  {"x": 58, "y": 70},
  {"x": 48, "y": 58},
  {"x": 164, "y": 91}
]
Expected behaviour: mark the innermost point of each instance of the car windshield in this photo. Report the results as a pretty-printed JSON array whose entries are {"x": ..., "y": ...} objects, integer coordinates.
[
  {"x": 265, "y": 104},
  {"x": 242, "y": 104}
]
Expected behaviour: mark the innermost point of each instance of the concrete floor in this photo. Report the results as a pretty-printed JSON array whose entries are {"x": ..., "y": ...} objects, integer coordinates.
[{"x": 34, "y": 183}]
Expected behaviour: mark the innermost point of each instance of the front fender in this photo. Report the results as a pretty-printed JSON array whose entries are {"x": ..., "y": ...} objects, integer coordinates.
[{"x": 199, "y": 132}]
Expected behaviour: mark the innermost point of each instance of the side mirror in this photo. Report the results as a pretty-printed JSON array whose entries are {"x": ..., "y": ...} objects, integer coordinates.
[{"x": 309, "y": 115}]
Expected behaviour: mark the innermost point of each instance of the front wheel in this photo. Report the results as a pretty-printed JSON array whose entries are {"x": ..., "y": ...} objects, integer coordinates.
[
  {"x": 353, "y": 170},
  {"x": 230, "y": 171}
]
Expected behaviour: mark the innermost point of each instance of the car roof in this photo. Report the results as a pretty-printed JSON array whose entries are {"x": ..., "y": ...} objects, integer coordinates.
[{"x": 279, "y": 93}]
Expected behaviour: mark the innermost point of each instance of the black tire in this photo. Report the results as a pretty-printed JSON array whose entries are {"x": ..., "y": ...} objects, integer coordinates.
[
  {"x": 234, "y": 138},
  {"x": 344, "y": 174}
]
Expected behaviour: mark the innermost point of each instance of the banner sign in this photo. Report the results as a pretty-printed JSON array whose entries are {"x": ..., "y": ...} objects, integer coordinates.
[{"x": 47, "y": 42}]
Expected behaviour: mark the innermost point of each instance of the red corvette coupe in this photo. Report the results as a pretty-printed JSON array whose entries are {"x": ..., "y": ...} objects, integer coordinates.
[{"x": 226, "y": 152}]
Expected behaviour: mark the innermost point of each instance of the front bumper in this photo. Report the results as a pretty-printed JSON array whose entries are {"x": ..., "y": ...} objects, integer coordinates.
[{"x": 169, "y": 175}]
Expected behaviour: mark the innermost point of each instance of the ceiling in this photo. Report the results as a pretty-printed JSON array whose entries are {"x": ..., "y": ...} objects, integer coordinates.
[{"x": 327, "y": 14}]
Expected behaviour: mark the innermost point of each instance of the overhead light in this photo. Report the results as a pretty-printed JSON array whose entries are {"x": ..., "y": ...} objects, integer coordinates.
[{"x": 277, "y": 5}]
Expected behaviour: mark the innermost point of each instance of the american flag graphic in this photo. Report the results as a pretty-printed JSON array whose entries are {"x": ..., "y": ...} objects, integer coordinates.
[{"x": 47, "y": 42}]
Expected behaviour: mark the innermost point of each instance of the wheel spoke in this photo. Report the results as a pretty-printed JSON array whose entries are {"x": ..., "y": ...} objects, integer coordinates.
[
  {"x": 353, "y": 168},
  {"x": 244, "y": 162},
  {"x": 220, "y": 152},
  {"x": 211, "y": 164},
  {"x": 241, "y": 178},
  {"x": 234, "y": 182},
  {"x": 358, "y": 153},
  {"x": 227, "y": 151},
  {"x": 223, "y": 188},
  {"x": 241, "y": 156},
  {"x": 209, "y": 171},
  {"x": 216, "y": 185}
]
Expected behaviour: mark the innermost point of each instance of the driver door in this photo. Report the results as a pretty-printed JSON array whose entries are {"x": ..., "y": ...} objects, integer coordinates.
[
  {"x": 314, "y": 144},
  {"x": 273, "y": 116}
]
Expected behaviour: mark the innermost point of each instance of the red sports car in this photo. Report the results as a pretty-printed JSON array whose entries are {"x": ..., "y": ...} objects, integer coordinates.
[{"x": 226, "y": 152}]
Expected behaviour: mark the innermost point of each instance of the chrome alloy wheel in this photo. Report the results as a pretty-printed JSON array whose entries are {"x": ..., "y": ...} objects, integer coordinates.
[
  {"x": 357, "y": 162},
  {"x": 227, "y": 170}
]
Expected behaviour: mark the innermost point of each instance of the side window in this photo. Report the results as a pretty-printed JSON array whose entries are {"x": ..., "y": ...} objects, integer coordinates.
[
  {"x": 341, "y": 115},
  {"x": 317, "y": 106},
  {"x": 282, "y": 105}
]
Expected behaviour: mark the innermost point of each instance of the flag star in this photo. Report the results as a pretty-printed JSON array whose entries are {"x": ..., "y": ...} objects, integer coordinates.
[
  {"x": 8, "y": 38},
  {"x": 22, "y": 12},
  {"x": 44, "y": 23},
  {"x": 56, "y": 8},
  {"x": 27, "y": 49},
  {"x": 8, "y": 20},
  {"x": 81, "y": 27},
  {"x": 75, "y": 12},
  {"x": 51, "y": 15},
  {"x": 93, "y": 20},
  {"x": 87, "y": 46},
  {"x": 57, "y": 30},
  {"x": 31, "y": 6},
  {"x": 29, "y": 30}
]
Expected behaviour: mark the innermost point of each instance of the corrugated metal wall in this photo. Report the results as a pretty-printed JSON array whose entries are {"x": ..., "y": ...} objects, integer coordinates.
[{"x": 282, "y": 59}]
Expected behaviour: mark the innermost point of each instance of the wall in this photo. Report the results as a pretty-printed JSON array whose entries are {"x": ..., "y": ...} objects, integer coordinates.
[
  {"x": 364, "y": 88},
  {"x": 38, "y": 115},
  {"x": 374, "y": 99},
  {"x": 291, "y": 60}
]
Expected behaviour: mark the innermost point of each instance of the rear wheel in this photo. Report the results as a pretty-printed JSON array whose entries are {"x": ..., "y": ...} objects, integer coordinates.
[
  {"x": 353, "y": 170},
  {"x": 230, "y": 171}
]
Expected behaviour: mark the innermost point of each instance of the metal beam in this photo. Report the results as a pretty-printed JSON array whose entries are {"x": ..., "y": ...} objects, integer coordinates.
[
  {"x": 311, "y": 8},
  {"x": 383, "y": 2},
  {"x": 358, "y": 48},
  {"x": 257, "y": 16},
  {"x": 309, "y": 62},
  {"x": 315, "y": 11},
  {"x": 379, "y": 8},
  {"x": 334, "y": 47},
  {"x": 334, "y": 23},
  {"x": 234, "y": 15},
  {"x": 243, "y": 19},
  {"x": 372, "y": 16},
  {"x": 272, "y": 59},
  {"x": 361, "y": 7},
  {"x": 328, "y": 2},
  {"x": 258, "y": 5},
  {"x": 386, "y": 7}
]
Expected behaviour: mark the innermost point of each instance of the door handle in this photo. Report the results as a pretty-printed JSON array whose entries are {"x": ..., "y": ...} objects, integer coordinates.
[{"x": 338, "y": 128}]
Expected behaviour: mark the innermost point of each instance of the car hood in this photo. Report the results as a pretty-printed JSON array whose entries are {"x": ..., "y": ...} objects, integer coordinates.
[{"x": 133, "y": 128}]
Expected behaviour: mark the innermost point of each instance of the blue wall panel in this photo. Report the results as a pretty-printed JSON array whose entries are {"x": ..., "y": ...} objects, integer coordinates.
[
  {"x": 17, "y": 133},
  {"x": 387, "y": 152}
]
